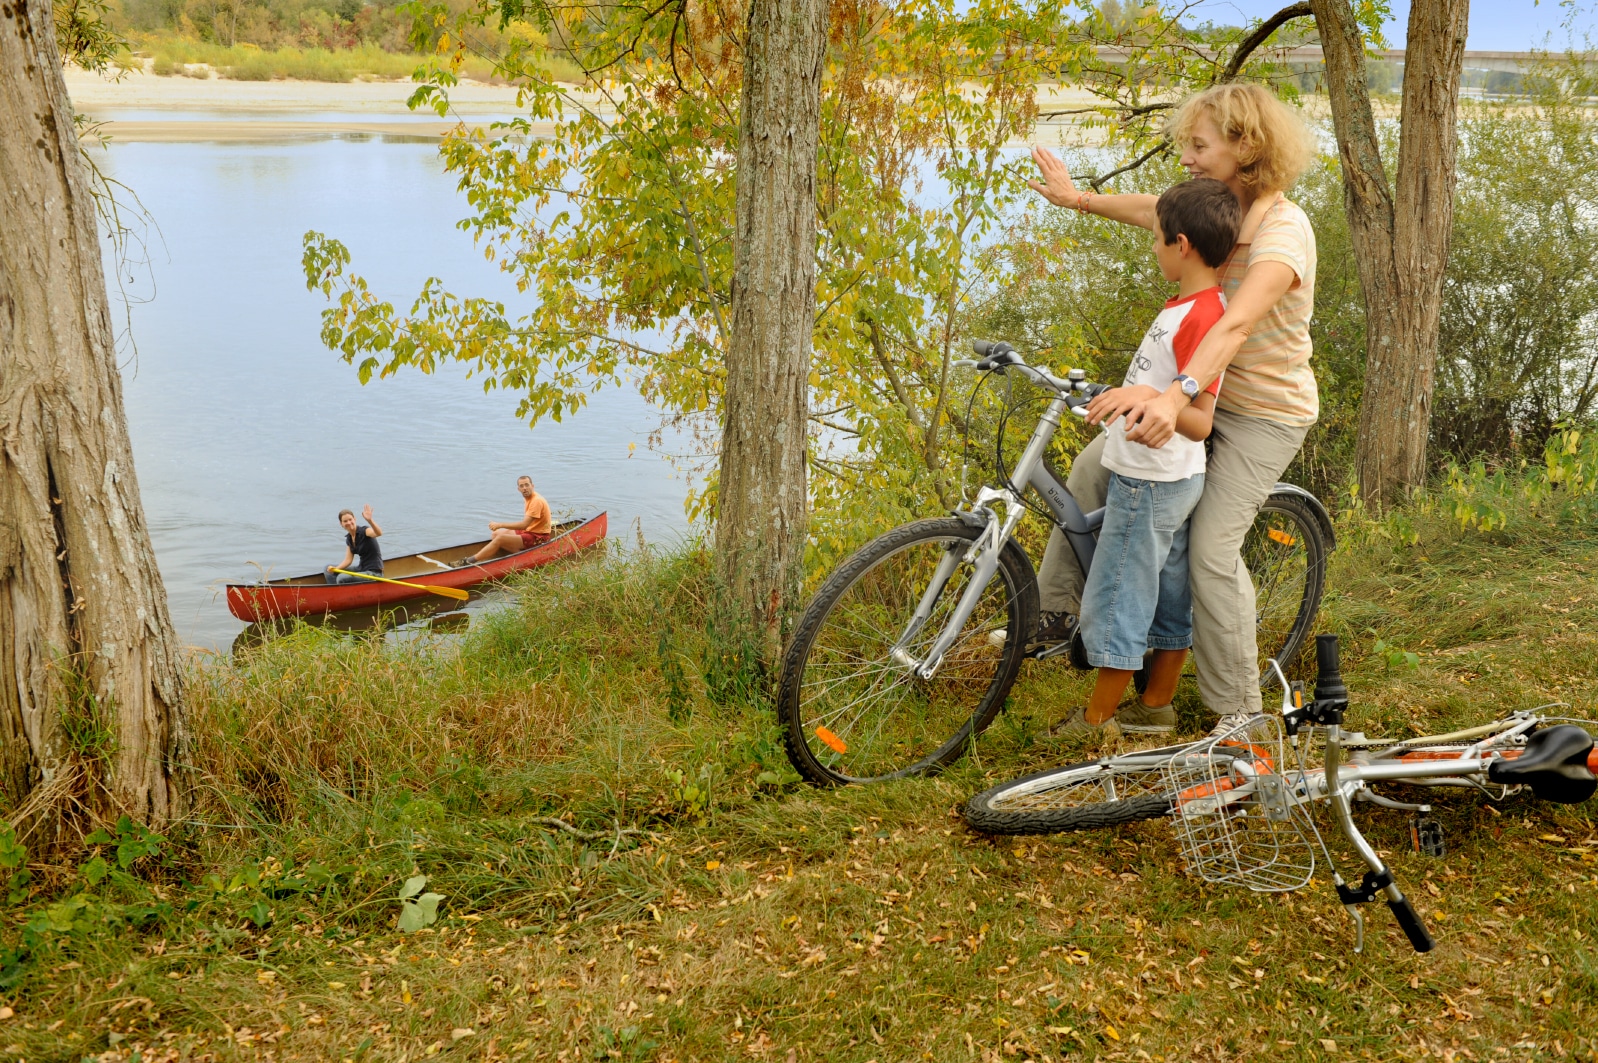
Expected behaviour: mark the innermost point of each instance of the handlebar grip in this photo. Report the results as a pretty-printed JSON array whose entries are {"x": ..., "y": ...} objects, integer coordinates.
[
  {"x": 1414, "y": 929},
  {"x": 982, "y": 347}
]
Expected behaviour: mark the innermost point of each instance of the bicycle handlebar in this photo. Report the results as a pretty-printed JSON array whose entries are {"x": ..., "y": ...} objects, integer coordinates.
[
  {"x": 999, "y": 356},
  {"x": 1414, "y": 929}
]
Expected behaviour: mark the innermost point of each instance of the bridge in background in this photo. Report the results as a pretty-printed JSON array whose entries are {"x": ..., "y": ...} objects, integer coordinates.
[{"x": 1309, "y": 56}]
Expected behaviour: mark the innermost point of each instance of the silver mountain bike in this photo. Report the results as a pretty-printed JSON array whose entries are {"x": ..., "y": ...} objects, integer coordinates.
[{"x": 909, "y": 648}]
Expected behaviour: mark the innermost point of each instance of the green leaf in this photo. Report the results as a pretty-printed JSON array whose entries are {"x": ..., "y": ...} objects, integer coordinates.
[
  {"x": 260, "y": 913},
  {"x": 96, "y": 870},
  {"x": 13, "y": 854},
  {"x": 413, "y": 886},
  {"x": 423, "y": 911}
]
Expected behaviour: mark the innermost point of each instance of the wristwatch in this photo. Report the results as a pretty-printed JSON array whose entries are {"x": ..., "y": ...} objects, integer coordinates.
[{"x": 1190, "y": 387}]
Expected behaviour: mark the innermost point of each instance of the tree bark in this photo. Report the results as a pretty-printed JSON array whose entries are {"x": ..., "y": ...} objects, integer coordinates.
[
  {"x": 1400, "y": 237},
  {"x": 762, "y": 506},
  {"x": 89, "y": 671}
]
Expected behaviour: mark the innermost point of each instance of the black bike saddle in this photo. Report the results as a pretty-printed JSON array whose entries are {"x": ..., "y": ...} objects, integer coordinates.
[{"x": 1554, "y": 765}]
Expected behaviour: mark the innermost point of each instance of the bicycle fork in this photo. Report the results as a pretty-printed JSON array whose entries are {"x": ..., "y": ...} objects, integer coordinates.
[
  {"x": 984, "y": 563},
  {"x": 983, "y": 554},
  {"x": 1331, "y": 699},
  {"x": 1378, "y": 876}
]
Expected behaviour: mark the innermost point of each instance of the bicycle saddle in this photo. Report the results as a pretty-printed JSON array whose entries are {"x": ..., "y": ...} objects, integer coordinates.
[{"x": 1554, "y": 765}]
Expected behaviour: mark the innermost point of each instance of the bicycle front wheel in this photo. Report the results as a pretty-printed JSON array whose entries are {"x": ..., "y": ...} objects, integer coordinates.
[
  {"x": 852, "y": 710},
  {"x": 1285, "y": 552},
  {"x": 1087, "y": 796}
]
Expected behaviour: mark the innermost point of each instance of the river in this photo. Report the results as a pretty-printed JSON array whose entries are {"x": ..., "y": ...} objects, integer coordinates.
[{"x": 250, "y": 436}]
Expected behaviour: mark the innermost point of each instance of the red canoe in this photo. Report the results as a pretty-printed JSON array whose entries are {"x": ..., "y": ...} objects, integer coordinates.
[{"x": 314, "y": 596}]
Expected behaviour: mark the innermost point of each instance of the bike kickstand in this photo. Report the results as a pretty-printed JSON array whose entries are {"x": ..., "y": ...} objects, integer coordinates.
[{"x": 1353, "y": 913}]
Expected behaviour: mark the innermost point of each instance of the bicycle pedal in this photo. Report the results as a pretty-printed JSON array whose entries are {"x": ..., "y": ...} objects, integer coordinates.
[
  {"x": 1048, "y": 649},
  {"x": 1427, "y": 836}
]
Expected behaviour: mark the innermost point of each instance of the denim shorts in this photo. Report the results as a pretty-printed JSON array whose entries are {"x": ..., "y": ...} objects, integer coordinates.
[{"x": 1137, "y": 597}]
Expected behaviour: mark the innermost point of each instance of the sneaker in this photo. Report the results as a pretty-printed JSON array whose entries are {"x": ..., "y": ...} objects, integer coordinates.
[
  {"x": 1232, "y": 721},
  {"x": 465, "y": 562},
  {"x": 1053, "y": 628},
  {"x": 1076, "y": 726},
  {"x": 1138, "y": 718}
]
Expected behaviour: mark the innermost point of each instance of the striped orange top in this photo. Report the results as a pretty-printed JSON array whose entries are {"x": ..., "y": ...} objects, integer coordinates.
[{"x": 1271, "y": 376}]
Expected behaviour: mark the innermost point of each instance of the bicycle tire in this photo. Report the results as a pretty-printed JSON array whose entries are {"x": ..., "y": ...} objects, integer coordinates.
[
  {"x": 1073, "y": 797},
  {"x": 1285, "y": 550},
  {"x": 916, "y": 726}
]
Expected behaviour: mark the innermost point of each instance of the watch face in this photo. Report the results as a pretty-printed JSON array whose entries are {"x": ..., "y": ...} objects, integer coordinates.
[{"x": 1190, "y": 387}]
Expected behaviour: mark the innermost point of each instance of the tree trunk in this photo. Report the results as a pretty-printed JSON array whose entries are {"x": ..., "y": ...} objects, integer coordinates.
[
  {"x": 89, "y": 670},
  {"x": 762, "y": 504},
  {"x": 1400, "y": 240}
]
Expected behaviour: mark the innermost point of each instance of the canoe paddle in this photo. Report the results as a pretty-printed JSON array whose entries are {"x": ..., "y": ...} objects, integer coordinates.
[{"x": 447, "y": 592}]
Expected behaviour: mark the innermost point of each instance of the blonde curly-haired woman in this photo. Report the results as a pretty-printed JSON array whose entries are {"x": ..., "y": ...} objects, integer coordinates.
[{"x": 1244, "y": 136}]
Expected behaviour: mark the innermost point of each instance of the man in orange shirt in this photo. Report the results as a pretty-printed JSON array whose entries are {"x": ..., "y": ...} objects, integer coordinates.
[{"x": 509, "y": 537}]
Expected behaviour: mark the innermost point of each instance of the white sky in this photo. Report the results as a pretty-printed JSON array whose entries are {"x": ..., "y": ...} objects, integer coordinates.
[{"x": 1495, "y": 25}]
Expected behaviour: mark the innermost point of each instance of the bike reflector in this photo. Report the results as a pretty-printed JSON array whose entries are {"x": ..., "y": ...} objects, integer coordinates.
[
  {"x": 833, "y": 741},
  {"x": 1281, "y": 536}
]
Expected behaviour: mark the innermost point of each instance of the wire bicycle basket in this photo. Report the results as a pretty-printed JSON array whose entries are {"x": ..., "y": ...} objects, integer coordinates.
[{"x": 1234, "y": 811}]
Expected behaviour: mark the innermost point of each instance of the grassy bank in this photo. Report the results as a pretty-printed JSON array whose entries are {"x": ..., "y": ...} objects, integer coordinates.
[
  {"x": 175, "y": 56},
  {"x": 711, "y": 908}
]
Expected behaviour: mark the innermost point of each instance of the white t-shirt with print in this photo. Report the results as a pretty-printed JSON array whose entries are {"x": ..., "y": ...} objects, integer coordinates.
[{"x": 1165, "y": 351}]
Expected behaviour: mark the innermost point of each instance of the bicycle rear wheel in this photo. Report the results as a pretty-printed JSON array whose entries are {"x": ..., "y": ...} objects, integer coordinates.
[
  {"x": 1285, "y": 552},
  {"x": 853, "y": 713},
  {"x": 1089, "y": 795}
]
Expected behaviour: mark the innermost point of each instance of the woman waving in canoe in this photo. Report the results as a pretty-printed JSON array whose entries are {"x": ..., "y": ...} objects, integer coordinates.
[{"x": 360, "y": 541}]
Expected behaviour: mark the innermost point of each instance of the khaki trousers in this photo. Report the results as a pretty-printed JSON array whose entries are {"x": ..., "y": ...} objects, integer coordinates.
[{"x": 1248, "y": 458}]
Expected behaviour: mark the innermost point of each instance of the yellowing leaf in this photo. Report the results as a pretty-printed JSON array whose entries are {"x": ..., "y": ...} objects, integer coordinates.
[
  {"x": 711, "y": 865},
  {"x": 1109, "y": 1031}
]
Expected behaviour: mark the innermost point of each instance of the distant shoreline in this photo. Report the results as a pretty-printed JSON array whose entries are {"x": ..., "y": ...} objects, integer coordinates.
[
  {"x": 146, "y": 108},
  {"x": 146, "y": 91},
  {"x": 201, "y": 109}
]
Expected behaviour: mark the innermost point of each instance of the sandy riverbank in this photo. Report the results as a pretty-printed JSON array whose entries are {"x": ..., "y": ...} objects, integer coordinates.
[
  {"x": 145, "y": 91},
  {"x": 145, "y": 107}
]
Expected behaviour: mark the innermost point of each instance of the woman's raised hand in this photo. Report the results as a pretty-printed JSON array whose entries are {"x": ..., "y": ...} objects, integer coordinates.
[{"x": 1056, "y": 186}]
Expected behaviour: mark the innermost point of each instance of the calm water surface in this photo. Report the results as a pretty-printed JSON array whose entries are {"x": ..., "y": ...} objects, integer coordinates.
[{"x": 250, "y": 435}]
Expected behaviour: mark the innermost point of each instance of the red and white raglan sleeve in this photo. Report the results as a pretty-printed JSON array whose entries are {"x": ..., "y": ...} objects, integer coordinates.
[{"x": 1201, "y": 316}]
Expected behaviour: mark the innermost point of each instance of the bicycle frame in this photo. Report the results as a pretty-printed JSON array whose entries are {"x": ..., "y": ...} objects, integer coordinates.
[{"x": 1030, "y": 470}]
